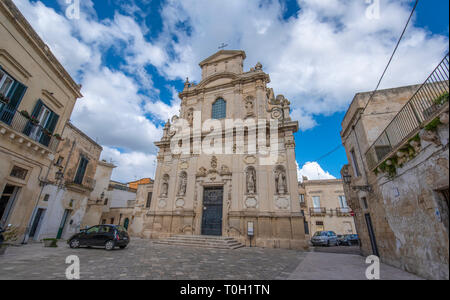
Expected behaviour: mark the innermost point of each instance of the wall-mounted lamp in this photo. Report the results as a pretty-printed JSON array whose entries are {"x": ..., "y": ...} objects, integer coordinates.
[{"x": 348, "y": 181}]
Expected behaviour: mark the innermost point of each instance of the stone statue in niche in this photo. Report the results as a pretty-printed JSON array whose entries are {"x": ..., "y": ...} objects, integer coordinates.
[
  {"x": 214, "y": 162},
  {"x": 190, "y": 116},
  {"x": 183, "y": 184},
  {"x": 249, "y": 107},
  {"x": 280, "y": 181},
  {"x": 165, "y": 186},
  {"x": 251, "y": 181}
]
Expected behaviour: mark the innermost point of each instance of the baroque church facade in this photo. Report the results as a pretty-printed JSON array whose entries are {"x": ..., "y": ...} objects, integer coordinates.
[{"x": 226, "y": 182}]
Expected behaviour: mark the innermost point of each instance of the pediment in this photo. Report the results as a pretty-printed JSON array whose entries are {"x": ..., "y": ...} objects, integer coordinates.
[
  {"x": 222, "y": 55},
  {"x": 217, "y": 80}
]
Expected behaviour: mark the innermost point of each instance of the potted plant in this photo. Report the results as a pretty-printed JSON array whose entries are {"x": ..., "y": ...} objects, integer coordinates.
[
  {"x": 34, "y": 121},
  {"x": 50, "y": 243},
  {"x": 25, "y": 114},
  {"x": 10, "y": 235},
  {"x": 58, "y": 137}
]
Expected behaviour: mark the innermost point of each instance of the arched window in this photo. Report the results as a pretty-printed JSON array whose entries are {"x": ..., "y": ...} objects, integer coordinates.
[{"x": 219, "y": 109}]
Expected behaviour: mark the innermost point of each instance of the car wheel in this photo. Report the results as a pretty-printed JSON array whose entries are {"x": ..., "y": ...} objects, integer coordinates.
[
  {"x": 75, "y": 243},
  {"x": 109, "y": 245}
]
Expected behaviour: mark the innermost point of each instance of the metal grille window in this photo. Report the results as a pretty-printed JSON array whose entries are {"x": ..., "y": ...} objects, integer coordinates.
[
  {"x": 149, "y": 199},
  {"x": 18, "y": 172},
  {"x": 219, "y": 109}
]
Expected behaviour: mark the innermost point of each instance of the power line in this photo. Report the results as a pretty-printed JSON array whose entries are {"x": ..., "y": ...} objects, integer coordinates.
[
  {"x": 395, "y": 50},
  {"x": 329, "y": 153}
]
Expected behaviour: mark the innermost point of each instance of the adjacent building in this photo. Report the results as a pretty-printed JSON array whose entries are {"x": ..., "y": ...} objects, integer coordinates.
[
  {"x": 244, "y": 185},
  {"x": 37, "y": 97},
  {"x": 325, "y": 207},
  {"x": 397, "y": 181}
]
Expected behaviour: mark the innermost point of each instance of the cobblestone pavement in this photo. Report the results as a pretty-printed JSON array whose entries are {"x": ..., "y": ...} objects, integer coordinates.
[
  {"x": 146, "y": 260},
  {"x": 339, "y": 250}
]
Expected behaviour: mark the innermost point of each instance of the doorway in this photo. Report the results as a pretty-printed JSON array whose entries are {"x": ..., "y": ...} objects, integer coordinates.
[
  {"x": 373, "y": 241},
  {"x": 212, "y": 211},
  {"x": 63, "y": 223},
  {"x": 37, "y": 222},
  {"x": 7, "y": 200}
]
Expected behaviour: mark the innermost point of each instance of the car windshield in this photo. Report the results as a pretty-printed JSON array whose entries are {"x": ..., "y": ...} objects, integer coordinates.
[{"x": 121, "y": 229}]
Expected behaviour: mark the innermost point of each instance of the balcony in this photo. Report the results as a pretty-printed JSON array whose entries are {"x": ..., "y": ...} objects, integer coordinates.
[
  {"x": 23, "y": 130},
  {"x": 426, "y": 104},
  {"x": 317, "y": 211},
  {"x": 343, "y": 212}
]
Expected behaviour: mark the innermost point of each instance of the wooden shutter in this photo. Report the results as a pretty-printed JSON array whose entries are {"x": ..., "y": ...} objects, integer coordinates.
[
  {"x": 50, "y": 126},
  {"x": 81, "y": 170},
  {"x": 35, "y": 114},
  {"x": 15, "y": 96}
]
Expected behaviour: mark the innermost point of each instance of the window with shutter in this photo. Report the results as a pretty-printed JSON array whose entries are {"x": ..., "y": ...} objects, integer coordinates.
[
  {"x": 81, "y": 170},
  {"x": 13, "y": 91}
]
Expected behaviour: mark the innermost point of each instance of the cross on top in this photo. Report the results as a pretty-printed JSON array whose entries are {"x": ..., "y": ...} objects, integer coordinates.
[{"x": 223, "y": 46}]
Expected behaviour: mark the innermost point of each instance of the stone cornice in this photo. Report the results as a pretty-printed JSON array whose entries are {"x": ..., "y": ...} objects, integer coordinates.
[
  {"x": 237, "y": 79},
  {"x": 15, "y": 63},
  {"x": 22, "y": 25}
]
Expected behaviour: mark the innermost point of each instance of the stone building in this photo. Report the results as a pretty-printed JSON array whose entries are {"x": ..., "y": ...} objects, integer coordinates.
[
  {"x": 397, "y": 180},
  {"x": 214, "y": 177},
  {"x": 325, "y": 207},
  {"x": 119, "y": 208},
  {"x": 37, "y": 97},
  {"x": 67, "y": 192}
]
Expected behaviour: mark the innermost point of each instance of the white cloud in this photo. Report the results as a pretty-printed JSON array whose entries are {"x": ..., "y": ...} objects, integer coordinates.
[
  {"x": 313, "y": 171},
  {"x": 130, "y": 166},
  {"x": 319, "y": 58}
]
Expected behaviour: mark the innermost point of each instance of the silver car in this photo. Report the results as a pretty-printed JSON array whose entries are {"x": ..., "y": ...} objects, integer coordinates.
[{"x": 324, "y": 238}]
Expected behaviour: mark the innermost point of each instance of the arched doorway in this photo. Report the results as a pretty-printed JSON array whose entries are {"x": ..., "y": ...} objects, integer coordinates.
[{"x": 125, "y": 223}]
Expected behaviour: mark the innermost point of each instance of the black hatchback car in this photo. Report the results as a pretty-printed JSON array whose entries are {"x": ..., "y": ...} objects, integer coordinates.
[{"x": 108, "y": 236}]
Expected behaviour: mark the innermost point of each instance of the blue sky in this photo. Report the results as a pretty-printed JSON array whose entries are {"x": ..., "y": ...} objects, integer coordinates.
[{"x": 132, "y": 58}]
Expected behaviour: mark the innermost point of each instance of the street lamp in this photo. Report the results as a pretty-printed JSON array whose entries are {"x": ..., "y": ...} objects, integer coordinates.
[{"x": 348, "y": 180}]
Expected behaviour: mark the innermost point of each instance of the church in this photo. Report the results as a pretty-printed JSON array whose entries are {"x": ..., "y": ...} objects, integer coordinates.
[{"x": 226, "y": 164}]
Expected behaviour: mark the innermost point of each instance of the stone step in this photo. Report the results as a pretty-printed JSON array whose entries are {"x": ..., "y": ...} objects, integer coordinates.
[{"x": 201, "y": 241}]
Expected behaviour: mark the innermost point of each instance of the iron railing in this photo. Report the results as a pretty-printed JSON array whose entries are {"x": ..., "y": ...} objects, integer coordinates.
[
  {"x": 418, "y": 111},
  {"x": 24, "y": 125},
  {"x": 343, "y": 211},
  {"x": 317, "y": 211}
]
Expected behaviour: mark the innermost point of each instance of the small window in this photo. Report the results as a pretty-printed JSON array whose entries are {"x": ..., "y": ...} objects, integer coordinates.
[
  {"x": 106, "y": 201},
  {"x": 81, "y": 170},
  {"x": 355, "y": 163},
  {"x": 319, "y": 223},
  {"x": 59, "y": 161},
  {"x": 364, "y": 202},
  {"x": 103, "y": 221},
  {"x": 343, "y": 202},
  {"x": 18, "y": 172},
  {"x": 316, "y": 201},
  {"x": 112, "y": 221},
  {"x": 302, "y": 198},
  {"x": 46, "y": 197},
  {"x": 6, "y": 83},
  {"x": 219, "y": 109}
]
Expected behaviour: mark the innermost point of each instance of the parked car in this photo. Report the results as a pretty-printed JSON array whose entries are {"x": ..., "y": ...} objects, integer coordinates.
[
  {"x": 107, "y": 236},
  {"x": 350, "y": 239},
  {"x": 324, "y": 238},
  {"x": 340, "y": 239}
]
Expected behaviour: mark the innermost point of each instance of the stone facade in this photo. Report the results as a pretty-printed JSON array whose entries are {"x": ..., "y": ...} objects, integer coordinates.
[
  {"x": 66, "y": 197},
  {"x": 36, "y": 84},
  {"x": 330, "y": 211},
  {"x": 251, "y": 187},
  {"x": 401, "y": 218}
]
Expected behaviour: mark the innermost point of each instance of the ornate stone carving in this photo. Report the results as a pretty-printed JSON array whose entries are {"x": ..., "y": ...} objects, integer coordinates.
[
  {"x": 251, "y": 202},
  {"x": 202, "y": 172},
  {"x": 282, "y": 202},
  {"x": 249, "y": 107},
  {"x": 280, "y": 181},
  {"x": 162, "y": 203},
  {"x": 190, "y": 116},
  {"x": 224, "y": 170},
  {"x": 250, "y": 181},
  {"x": 277, "y": 113},
  {"x": 179, "y": 203},
  {"x": 258, "y": 66},
  {"x": 183, "y": 184},
  {"x": 214, "y": 162},
  {"x": 250, "y": 159}
]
